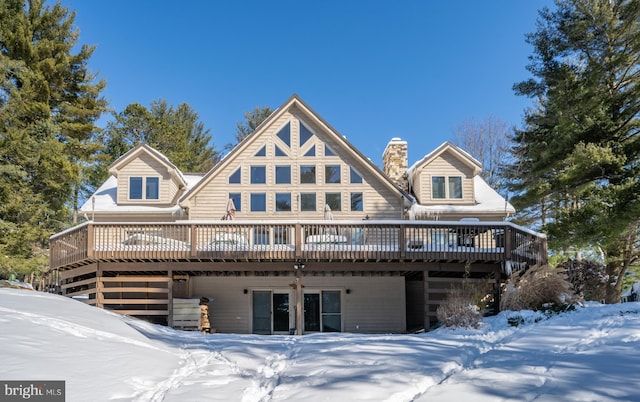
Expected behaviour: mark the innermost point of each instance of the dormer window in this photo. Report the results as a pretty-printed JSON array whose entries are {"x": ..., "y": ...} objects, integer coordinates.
[
  {"x": 440, "y": 190},
  {"x": 144, "y": 188}
]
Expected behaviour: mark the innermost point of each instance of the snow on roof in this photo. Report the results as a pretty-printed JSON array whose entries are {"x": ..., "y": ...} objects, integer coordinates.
[
  {"x": 105, "y": 198},
  {"x": 487, "y": 200}
]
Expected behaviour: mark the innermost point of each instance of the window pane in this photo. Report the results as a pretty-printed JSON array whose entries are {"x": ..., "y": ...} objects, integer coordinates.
[
  {"x": 332, "y": 174},
  {"x": 262, "y": 151},
  {"x": 283, "y": 174},
  {"x": 283, "y": 202},
  {"x": 285, "y": 134},
  {"x": 135, "y": 188},
  {"x": 311, "y": 151},
  {"x": 355, "y": 177},
  {"x": 330, "y": 301},
  {"x": 235, "y": 177},
  {"x": 258, "y": 202},
  {"x": 305, "y": 134},
  {"x": 280, "y": 152},
  {"x": 152, "y": 188},
  {"x": 258, "y": 175},
  {"x": 237, "y": 200},
  {"x": 437, "y": 187},
  {"x": 308, "y": 202},
  {"x": 356, "y": 201},
  {"x": 455, "y": 187},
  {"x": 334, "y": 201},
  {"x": 307, "y": 174},
  {"x": 331, "y": 323},
  {"x": 328, "y": 151}
]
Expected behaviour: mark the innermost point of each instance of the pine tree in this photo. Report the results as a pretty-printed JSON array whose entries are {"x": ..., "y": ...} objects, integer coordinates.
[
  {"x": 580, "y": 148},
  {"x": 176, "y": 132},
  {"x": 48, "y": 105}
]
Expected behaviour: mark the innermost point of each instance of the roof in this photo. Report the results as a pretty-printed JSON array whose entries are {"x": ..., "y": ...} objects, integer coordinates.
[
  {"x": 105, "y": 197},
  {"x": 487, "y": 201},
  {"x": 155, "y": 154},
  {"x": 446, "y": 146},
  {"x": 300, "y": 106}
]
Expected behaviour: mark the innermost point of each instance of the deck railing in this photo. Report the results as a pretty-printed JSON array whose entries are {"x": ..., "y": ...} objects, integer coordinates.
[{"x": 299, "y": 240}]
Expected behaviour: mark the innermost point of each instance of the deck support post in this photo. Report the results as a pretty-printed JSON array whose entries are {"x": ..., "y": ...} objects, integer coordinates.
[{"x": 427, "y": 320}]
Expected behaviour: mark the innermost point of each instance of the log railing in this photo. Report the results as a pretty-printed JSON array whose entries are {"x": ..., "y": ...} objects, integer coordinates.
[{"x": 300, "y": 240}]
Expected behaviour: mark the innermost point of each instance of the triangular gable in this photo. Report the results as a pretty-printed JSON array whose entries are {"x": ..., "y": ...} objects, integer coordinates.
[
  {"x": 141, "y": 149},
  {"x": 458, "y": 153},
  {"x": 295, "y": 105}
]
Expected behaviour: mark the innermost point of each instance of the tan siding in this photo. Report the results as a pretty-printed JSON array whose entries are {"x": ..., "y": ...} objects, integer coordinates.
[
  {"x": 145, "y": 166},
  {"x": 445, "y": 165},
  {"x": 374, "y": 304},
  {"x": 379, "y": 202}
]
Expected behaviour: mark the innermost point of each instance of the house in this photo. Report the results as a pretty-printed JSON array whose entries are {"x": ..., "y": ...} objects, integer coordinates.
[{"x": 294, "y": 231}]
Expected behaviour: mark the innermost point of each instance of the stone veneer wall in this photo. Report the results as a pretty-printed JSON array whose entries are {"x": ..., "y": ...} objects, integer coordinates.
[{"x": 395, "y": 162}]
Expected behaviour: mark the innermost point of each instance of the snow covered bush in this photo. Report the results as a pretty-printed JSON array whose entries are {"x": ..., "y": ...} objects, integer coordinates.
[
  {"x": 538, "y": 288},
  {"x": 463, "y": 305},
  {"x": 588, "y": 278}
]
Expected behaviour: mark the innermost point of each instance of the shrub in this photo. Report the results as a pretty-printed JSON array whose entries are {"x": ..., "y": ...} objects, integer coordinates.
[
  {"x": 588, "y": 278},
  {"x": 459, "y": 310},
  {"x": 538, "y": 288}
]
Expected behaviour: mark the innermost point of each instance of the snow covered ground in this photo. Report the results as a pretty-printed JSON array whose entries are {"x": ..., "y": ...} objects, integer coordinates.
[{"x": 592, "y": 354}]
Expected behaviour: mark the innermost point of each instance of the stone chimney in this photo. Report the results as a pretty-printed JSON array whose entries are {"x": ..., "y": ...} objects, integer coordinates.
[{"x": 395, "y": 162}]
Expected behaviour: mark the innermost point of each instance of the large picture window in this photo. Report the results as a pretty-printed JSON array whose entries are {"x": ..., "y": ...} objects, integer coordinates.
[
  {"x": 356, "y": 202},
  {"x": 258, "y": 202},
  {"x": 283, "y": 202},
  {"x": 307, "y": 175},
  {"x": 334, "y": 200},
  {"x": 283, "y": 174},
  {"x": 332, "y": 174},
  {"x": 308, "y": 202},
  {"x": 258, "y": 175}
]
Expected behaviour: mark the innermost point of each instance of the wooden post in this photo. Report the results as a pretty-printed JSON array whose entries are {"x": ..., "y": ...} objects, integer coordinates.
[
  {"x": 170, "y": 298},
  {"x": 90, "y": 241},
  {"x": 298, "y": 302},
  {"x": 99, "y": 286},
  {"x": 427, "y": 322}
]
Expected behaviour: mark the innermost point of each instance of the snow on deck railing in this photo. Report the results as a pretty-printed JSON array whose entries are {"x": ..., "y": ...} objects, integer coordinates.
[{"x": 305, "y": 239}]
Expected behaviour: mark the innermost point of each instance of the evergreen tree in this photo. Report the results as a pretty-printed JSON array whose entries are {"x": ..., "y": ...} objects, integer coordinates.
[
  {"x": 176, "y": 132},
  {"x": 252, "y": 120},
  {"x": 48, "y": 105},
  {"x": 580, "y": 149}
]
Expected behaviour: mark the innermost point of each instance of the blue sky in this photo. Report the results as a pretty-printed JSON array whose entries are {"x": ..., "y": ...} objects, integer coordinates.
[{"x": 373, "y": 69}]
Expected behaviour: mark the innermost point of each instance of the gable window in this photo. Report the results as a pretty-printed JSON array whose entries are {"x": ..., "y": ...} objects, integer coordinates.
[
  {"x": 308, "y": 202},
  {"x": 258, "y": 202},
  {"x": 262, "y": 151},
  {"x": 237, "y": 200},
  {"x": 308, "y": 174},
  {"x": 446, "y": 187},
  {"x": 285, "y": 134},
  {"x": 147, "y": 188},
  {"x": 283, "y": 174},
  {"x": 356, "y": 202},
  {"x": 328, "y": 151},
  {"x": 258, "y": 175},
  {"x": 234, "y": 178},
  {"x": 311, "y": 151},
  {"x": 354, "y": 177},
  {"x": 332, "y": 174},
  {"x": 283, "y": 202},
  {"x": 334, "y": 201},
  {"x": 280, "y": 152},
  {"x": 305, "y": 134}
]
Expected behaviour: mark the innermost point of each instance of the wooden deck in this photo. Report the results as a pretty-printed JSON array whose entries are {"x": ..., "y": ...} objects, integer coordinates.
[{"x": 269, "y": 241}]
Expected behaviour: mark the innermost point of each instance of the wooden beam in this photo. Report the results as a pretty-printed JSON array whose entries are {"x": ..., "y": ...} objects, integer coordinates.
[
  {"x": 79, "y": 271},
  {"x": 120, "y": 289}
]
